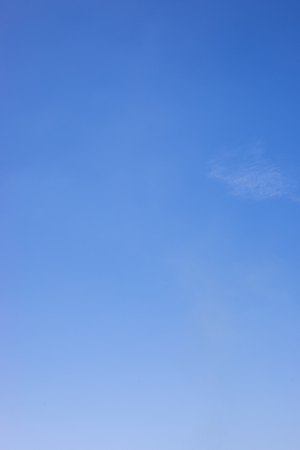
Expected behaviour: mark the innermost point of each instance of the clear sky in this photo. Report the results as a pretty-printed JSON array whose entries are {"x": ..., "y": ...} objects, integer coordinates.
[{"x": 150, "y": 212}]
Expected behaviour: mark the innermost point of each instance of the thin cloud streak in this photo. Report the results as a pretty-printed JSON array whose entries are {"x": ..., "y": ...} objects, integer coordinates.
[{"x": 248, "y": 175}]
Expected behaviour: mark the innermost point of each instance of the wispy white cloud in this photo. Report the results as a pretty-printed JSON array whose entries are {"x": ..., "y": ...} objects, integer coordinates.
[{"x": 248, "y": 174}]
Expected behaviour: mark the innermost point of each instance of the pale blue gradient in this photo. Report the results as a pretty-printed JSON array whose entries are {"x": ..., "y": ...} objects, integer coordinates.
[{"x": 150, "y": 212}]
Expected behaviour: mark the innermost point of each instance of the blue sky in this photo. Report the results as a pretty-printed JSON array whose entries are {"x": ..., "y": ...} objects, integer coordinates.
[{"x": 150, "y": 209}]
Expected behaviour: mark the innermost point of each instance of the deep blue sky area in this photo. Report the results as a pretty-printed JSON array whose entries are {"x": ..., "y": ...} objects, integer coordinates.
[{"x": 149, "y": 225}]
